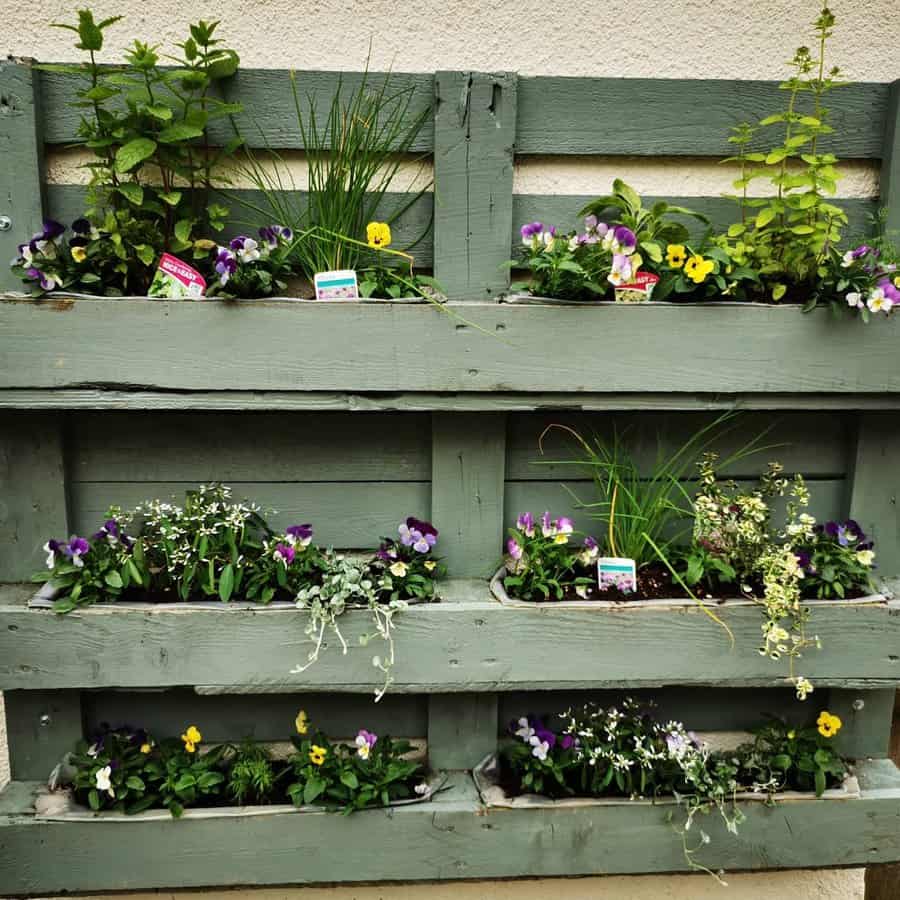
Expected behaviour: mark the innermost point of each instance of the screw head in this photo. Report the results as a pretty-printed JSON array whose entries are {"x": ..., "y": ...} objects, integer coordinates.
[
  {"x": 45, "y": 720},
  {"x": 5, "y": 223},
  {"x": 859, "y": 704}
]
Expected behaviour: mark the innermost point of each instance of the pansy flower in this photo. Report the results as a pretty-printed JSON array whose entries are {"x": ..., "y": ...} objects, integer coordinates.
[
  {"x": 851, "y": 256},
  {"x": 226, "y": 265},
  {"x": 284, "y": 553},
  {"x": 317, "y": 754},
  {"x": 531, "y": 233},
  {"x": 514, "y": 549},
  {"x": 47, "y": 280},
  {"x": 398, "y": 569},
  {"x": 75, "y": 549},
  {"x": 697, "y": 268},
  {"x": 365, "y": 741},
  {"x": 878, "y": 301},
  {"x": 245, "y": 248},
  {"x": 622, "y": 270},
  {"x": 676, "y": 255},
  {"x": 51, "y": 548},
  {"x": 378, "y": 235},
  {"x": 191, "y": 738},
  {"x": 525, "y": 524},
  {"x": 102, "y": 780},
  {"x": 275, "y": 234},
  {"x": 299, "y": 534}
]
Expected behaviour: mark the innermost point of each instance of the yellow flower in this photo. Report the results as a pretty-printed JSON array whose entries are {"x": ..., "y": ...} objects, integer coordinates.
[
  {"x": 697, "y": 268},
  {"x": 791, "y": 734},
  {"x": 829, "y": 725},
  {"x": 430, "y": 564},
  {"x": 398, "y": 568},
  {"x": 146, "y": 748},
  {"x": 317, "y": 755},
  {"x": 378, "y": 234},
  {"x": 79, "y": 254},
  {"x": 301, "y": 723},
  {"x": 865, "y": 557},
  {"x": 676, "y": 255},
  {"x": 191, "y": 738},
  {"x": 561, "y": 539},
  {"x": 897, "y": 281}
]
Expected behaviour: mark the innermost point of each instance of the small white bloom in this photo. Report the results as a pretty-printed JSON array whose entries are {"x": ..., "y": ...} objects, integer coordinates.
[
  {"x": 854, "y": 299},
  {"x": 865, "y": 557},
  {"x": 102, "y": 781},
  {"x": 362, "y": 747},
  {"x": 539, "y": 748},
  {"x": 51, "y": 555},
  {"x": 878, "y": 301},
  {"x": 421, "y": 789},
  {"x": 847, "y": 259}
]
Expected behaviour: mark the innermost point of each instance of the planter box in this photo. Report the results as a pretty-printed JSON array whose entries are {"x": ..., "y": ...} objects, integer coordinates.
[{"x": 486, "y": 777}]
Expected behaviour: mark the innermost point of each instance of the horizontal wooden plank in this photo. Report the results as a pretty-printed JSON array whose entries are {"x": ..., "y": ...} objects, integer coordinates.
[
  {"x": 248, "y": 209},
  {"x": 811, "y": 443},
  {"x": 467, "y": 643},
  {"x": 679, "y": 117},
  {"x": 343, "y": 514},
  {"x": 452, "y": 837},
  {"x": 197, "y": 447},
  {"x": 260, "y": 717},
  {"x": 101, "y": 398},
  {"x": 270, "y": 345},
  {"x": 562, "y": 210},
  {"x": 269, "y": 118},
  {"x": 828, "y": 499}
]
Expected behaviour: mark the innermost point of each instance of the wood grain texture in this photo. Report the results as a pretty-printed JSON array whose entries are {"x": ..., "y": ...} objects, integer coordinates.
[
  {"x": 41, "y": 726},
  {"x": 33, "y": 501},
  {"x": 474, "y": 134},
  {"x": 452, "y": 837},
  {"x": 468, "y": 458},
  {"x": 678, "y": 117},
  {"x": 66, "y": 202},
  {"x": 462, "y": 729},
  {"x": 21, "y": 149},
  {"x": 890, "y": 159},
  {"x": 875, "y": 486},
  {"x": 867, "y": 717},
  {"x": 467, "y": 643},
  {"x": 269, "y": 118},
  {"x": 562, "y": 210},
  {"x": 397, "y": 347}
]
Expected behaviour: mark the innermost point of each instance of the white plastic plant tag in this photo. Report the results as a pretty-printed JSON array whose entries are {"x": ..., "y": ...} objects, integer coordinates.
[
  {"x": 338, "y": 285},
  {"x": 617, "y": 572}
]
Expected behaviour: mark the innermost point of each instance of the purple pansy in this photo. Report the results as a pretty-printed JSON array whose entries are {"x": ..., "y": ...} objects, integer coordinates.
[
  {"x": 531, "y": 231},
  {"x": 273, "y": 234},
  {"x": 564, "y": 525},
  {"x": 567, "y": 741},
  {"x": 284, "y": 553},
  {"x": 81, "y": 226},
  {"x": 51, "y": 548},
  {"x": 525, "y": 524},
  {"x": 514, "y": 549},
  {"x": 226, "y": 265},
  {"x": 418, "y": 534},
  {"x": 386, "y": 553},
  {"x": 47, "y": 282},
  {"x": 75, "y": 549},
  {"x": 299, "y": 534}
]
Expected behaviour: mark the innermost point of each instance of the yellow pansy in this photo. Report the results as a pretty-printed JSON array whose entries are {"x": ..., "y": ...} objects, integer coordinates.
[
  {"x": 191, "y": 738},
  {"x": 399, "y": 568},
  {"x": 430, "y": 564},
  {"x": 897, "y": 281},
  {"x": 146, "y": 748},
  {"x": 317, "y": 755},
  {"x": 301, "y": 723},
  {"x": 829, "y": 725},
  {"x": 676, "y": 255},
  {"x": 79, "y": 254},
  {"x": 791, "y": 734},
  {"x": 378, "y": 234},
  {"x": 561, "y": 539},
  {"x": 697, "y": 268}
]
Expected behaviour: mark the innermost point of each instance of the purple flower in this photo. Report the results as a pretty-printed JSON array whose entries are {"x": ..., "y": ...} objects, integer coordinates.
[
  {"x": 47, "y": 282},
  {"x": 566, "y": 741},
  {"x": 273, "y": 234},
  {"x": 676, "y": 743},
  {"x": 624, "y": 239},
  {"x": 386, "y": 553},
  {"x": 514, "y": 549},
  {"x": 564, "y": 525},
  {"x": 226, "y": 265},
  {"x": 418, "y": 534},
  {"x": 622, "y": 269},
  {"x": 590, "y": 543},
  {"x": 284, "y": 553},
  {"x": 546, "y": 525},
  {"x": 299, "y": 534},
  {"x": 531, "y": 231},
  {"x": 52, "y": 229},
  {"x": 804, "y": 560},
  {"x": 75, "y": 549},
  {"x": 525, "y": 524},
  {"x": 51, "y": 548},
  {"x": 368, "y": 737},
  {"x": 545, "y": 736},
  {"x": 890, "y": 290}
]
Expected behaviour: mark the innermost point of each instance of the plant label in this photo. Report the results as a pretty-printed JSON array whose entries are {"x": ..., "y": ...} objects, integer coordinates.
[
  {"x": 176, "y": 280},
  {"x": 340, "y": 285},
  {"x": 637, "y": 291},
  {"x": 617, "y": 572}
]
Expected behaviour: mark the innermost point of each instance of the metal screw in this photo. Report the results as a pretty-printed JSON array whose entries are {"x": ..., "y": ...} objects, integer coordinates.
[
  {"x": 859, "y": 704},
  {"x": 45, "y": 720},
  {"x": 5, "y": 223}
]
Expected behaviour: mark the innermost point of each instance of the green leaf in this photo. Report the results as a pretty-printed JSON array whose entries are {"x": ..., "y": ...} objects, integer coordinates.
[
  {"x": 765, "y": 216},
  {"x": 313, "y": 789},
  {"x": 226, "y": 583},
  {"x": 173, "y": 198},
  {"x": 803, "y": 229},
  {"x": 94, "y": 799},
  {"x": 134, "y": 783},
  {"x": 778, "y": 291},
  {"x": 113, "y": 579},
  {"x": 350, "y": 780},
  {"x": 653, "y": 250},
  {"x": 158, "y": 111},
  {"x": 183, "y": 230},
  {"x": 736, "y": 229},
  {"x": 180, "y": 131},
  {"x": 145, "y": 253},
  {"x": 134, "y": 152},
  {"x": 820, "y": 782}
]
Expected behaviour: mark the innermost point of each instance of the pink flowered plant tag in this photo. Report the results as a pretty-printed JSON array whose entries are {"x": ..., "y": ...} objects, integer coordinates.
[
  {"x": 176, "y": 280},
  {"x": 638, "y": 290},
  {"x": 617, "y": 572}
]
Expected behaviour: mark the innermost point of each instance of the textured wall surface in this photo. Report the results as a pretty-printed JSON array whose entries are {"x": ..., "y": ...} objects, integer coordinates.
[{"x": 683, "y": 38}]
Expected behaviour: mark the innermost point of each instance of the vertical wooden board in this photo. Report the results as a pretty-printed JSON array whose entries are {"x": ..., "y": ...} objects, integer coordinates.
[
  {"x": 33, "y": 503},
  {"x": 21, "y": 150},
  {"x": 41, "y": 726},
  {"x": 468, "y": 459},
  {"x": 875, "y": 484},
  {"x": 890, "y": 160},
  {"x": 867, "y": 717},
  {"x": 474, "y": 135},
  {"x": 462, "y": 729}
]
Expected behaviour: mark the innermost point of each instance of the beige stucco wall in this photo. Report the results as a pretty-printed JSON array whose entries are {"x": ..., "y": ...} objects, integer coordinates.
[{"x": 681, "y": 38}]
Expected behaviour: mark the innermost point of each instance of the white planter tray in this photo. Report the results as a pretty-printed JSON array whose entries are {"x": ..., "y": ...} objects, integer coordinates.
[
  {"x": 499, "y": 593},
  {"x": 492, "y": 794}
]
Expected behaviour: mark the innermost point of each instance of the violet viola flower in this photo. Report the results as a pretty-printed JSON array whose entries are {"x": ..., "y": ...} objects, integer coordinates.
[
  {"x": 891, "y": 292},
  {"x": 226, "y": 265},
  {"x": 625, "y": 240},
  {"x": 852, "y": 255},
  {"x": 566, "y": 741},
  {"x": 52, "y": 229},
  {"x": 275, "y": 234},
  {"x": 525, "y": 524},
  {"x": 299, "y": 534},
  {"x": 365, "y": 741},
  {"x": 621, "y": 270},
  {"x": 75, "y": 549},
  {"x": 564, "y": 525},
  {"x": 51, "y": 548},
  {"x": 386, "y": 553},
  {"x": 418, "y": 534},
  {"x": 531, "y": 231},
  {"x": 546, "y": 524},
  {"x": 245, "y": 248},
  {"x": 284, "y": 553},
  {"x": 514, "y": 549},
  {"x": 46, "y": 281}
]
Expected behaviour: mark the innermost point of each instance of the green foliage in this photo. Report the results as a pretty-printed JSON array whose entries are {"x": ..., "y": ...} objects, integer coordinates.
[
  {"x": 837, "y": 561},
  {"x": 251, "y": 778}
]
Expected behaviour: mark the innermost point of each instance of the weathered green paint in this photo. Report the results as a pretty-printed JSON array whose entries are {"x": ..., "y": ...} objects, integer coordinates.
[
  {"x": 66, "y": 202},
  {"x": 677, "y": 117},
  {"x": 452, "y": 837},
  {"x": 21, "y": 149},
  {"x": 866, "y": 718},
  {"x": 474, "y": 133},
  {"x": 562, "y": 211},
  {"x": 41, "y": 726},
  {"x": 468, "y": 457},
  {"x": 467, "y": 643},
  {"x": 890, "y": 161},
  {"x": 33, "y": 503},
  {"x": 206, "y": 346},
  {"x": 462, "y": 729},
  {"x": 875, "y": 486},
  {"x": 269, "y": 119}
]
